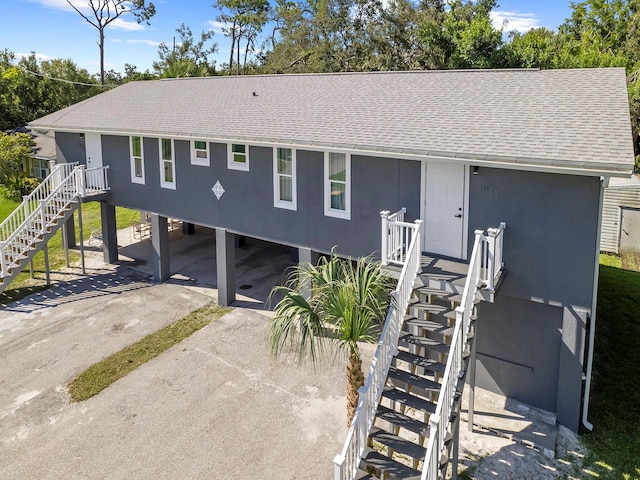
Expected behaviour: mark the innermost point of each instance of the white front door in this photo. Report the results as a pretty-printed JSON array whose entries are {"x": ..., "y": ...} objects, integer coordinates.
[
  {"x": 444, "y": 208},
  {"x": 93, "y": 149}
]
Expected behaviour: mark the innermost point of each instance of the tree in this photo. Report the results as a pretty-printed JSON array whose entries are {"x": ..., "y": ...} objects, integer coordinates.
[
  {"x": 187, "y": 58},
  {"x": 15, "y": 150},
  {"x": 30, "y": 89},
  {"x": 106, "y": 11},
  {"x": 334, "y": 304},
  {"x": 243, "y": 20}
]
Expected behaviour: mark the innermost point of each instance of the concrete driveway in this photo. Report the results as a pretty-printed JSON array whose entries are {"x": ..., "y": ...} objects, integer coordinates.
[{"x": 214, "y": 406}]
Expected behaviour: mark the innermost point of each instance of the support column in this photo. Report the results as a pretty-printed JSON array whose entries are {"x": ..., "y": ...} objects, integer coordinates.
[
  {"x": 109, "y": 232},
  {"x": 160, "y": 245},
  {"x": 306, "y": 255},
  {"x": 226, "y": 266},
  {"x": 70, "y": 231}
]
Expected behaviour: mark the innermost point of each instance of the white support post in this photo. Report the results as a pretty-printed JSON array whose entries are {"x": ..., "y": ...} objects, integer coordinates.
[
  {"x": 418, "y": 233},
  {"x": 43, "y": 216},
  {"x": 82, "y": 184},
  {"x": 491, "y": 258},
  {"x": 25, "y": 205},
  {"x": 52, "y": 166},
  {"x": 338, "y": 462},
  {"x": 3, "y": 262},
  {"x": 384, "y": 253},
  {"x": 478, "y": 234}
]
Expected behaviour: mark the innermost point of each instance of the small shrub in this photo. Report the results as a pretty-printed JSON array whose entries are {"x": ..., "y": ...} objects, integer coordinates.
[{"x": 29, "y": 184}]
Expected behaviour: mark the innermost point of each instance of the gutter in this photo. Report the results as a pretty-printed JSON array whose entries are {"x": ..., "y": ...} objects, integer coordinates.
[{"x": 604, "y": 182}]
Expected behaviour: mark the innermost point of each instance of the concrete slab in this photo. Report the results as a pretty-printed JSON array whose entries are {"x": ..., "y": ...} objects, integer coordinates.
[
  {"x": 214, "y": 406},
  {"x": 260, "y": 265},
  {"x": 495, "y": 414}
]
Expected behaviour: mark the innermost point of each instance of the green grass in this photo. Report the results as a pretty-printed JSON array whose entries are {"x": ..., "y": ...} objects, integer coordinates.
[
  {"x": 23, "y": 284},
  {"x": 99, "y": 376},
  {"x": 614, "y": 409}
]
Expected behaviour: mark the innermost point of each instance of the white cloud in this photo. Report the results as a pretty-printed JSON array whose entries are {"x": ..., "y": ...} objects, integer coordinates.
[
  {"x": 217, "y": 26},
  {"x": 522, "y": 22},
  {"x": 39, "y": 56},
  {"x": 83, "y": 6},
  {"x": 132, "y": 41},
  {"x": 59, "y": 4},
  {"x": 128, "y": 26}
]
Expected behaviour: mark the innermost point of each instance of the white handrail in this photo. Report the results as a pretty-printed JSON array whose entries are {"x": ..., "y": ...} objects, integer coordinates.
[
  {"x": 396, "y": 237},
  {"x": 31, "y": 202},
  {"x": 484, "y": 266},
  {"x": 40, "y": 209},
  {"x": 346, "y": 463}
]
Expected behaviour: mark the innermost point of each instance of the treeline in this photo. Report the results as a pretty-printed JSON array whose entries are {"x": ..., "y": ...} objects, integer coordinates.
[{"x": 300, "y": 36}]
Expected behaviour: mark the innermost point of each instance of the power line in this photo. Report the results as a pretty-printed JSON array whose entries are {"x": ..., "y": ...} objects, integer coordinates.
[{"x": 64, "y": 80}]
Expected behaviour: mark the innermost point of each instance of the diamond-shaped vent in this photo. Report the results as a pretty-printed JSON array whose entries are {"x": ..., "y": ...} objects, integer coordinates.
[{"x": 218, "y": 190}]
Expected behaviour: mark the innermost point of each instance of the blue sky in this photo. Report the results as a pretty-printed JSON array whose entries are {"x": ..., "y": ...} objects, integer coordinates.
[{"x": 53, "y": 30}]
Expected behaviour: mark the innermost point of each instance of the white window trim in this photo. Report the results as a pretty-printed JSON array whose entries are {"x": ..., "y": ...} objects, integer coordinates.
[
  {"x": 277, "y": 202},
  {"x": 332, "y": 212},
  {"x": 163, "y": 183},
  {"x": 235, "y": 165},
  {"x": 134, "y": 179},
  {"x": 195, "y": 160}
]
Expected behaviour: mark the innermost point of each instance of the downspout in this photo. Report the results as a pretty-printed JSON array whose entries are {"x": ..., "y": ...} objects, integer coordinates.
[{"x": 604, "y": 182}]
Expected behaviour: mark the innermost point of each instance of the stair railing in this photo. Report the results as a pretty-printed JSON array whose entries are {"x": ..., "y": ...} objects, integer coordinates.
[
  {"x": 31, "y": 202},
  {"x": 484, "y": 266},
  {"x": 346, "y": 463},
  {"x": 396, "y": 237},
  {"x": 42, "y": 216},
  {"x": 494, "y": 263},
  {"x": 22, "y": 229}
]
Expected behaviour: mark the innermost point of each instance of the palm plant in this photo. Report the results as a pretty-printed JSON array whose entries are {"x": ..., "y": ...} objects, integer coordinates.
[{"x": 335, "y": 305}]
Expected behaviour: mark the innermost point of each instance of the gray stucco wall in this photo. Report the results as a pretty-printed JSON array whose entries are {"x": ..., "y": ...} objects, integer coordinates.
[
  {"x": 70, "y": 148},
  {"x": 530, "y": 343},
  {"x": 551, "y": 231},
  {"x": 247, "y": 206}
]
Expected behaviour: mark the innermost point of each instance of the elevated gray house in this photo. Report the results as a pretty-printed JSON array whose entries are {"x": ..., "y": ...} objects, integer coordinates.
[{"x": 310, "y": 161}]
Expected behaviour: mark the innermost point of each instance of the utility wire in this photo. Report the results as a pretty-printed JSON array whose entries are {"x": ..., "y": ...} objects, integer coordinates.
[{"x": 64, "y": 80}]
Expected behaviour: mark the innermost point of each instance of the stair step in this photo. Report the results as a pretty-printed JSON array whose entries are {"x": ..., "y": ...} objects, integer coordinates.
[
  {"x": 431, "y": 325},
  {"x": 405, "y": 398},
  {"x": 397, "y": 444},
  {"x": 432, "y": 309},
  {"x": 428, "y": 364},
  {"x": 389, "y": 466},
  {"x": 407, "y": 340},
  {"x": 443, "y": 294},
  {"x": 403, "y": 421},
  {"x": 412, "y": 379}
]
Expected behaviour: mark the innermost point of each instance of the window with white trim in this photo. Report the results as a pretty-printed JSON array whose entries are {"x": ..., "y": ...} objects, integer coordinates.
[
  {"x": 200, "y": 153},
  {"x": 167, "y": 164},
  {"x": 284, "y": 178},
  {"x": 137, "y": 160},
  {"x": 337, "y": 185},
  {"x": 238, "y": 156}
]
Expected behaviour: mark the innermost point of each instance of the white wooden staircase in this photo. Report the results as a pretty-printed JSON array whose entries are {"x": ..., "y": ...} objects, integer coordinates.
[
  {"x": 407, "y": 422},
  {"x": 30, "y": 226}
]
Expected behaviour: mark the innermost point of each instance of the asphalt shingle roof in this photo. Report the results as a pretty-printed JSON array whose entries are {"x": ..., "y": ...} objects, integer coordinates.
[{"x": 565, "y": 118}]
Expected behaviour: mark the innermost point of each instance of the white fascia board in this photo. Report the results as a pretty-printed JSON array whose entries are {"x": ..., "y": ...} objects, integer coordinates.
[{"x": 590, "y": 169}]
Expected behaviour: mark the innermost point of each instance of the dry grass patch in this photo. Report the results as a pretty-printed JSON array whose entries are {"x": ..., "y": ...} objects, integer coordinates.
[{"x": 99, "y": 376}]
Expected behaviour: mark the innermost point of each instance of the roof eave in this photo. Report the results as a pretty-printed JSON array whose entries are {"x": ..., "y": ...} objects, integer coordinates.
[{"x": 599, "y": 169}]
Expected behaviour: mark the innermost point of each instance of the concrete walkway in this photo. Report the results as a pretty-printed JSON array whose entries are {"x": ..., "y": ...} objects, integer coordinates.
[{"x": 214, "y": 406}]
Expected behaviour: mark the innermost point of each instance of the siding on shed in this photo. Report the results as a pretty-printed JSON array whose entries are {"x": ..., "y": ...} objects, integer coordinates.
[{"x": 615, "y": 197}]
